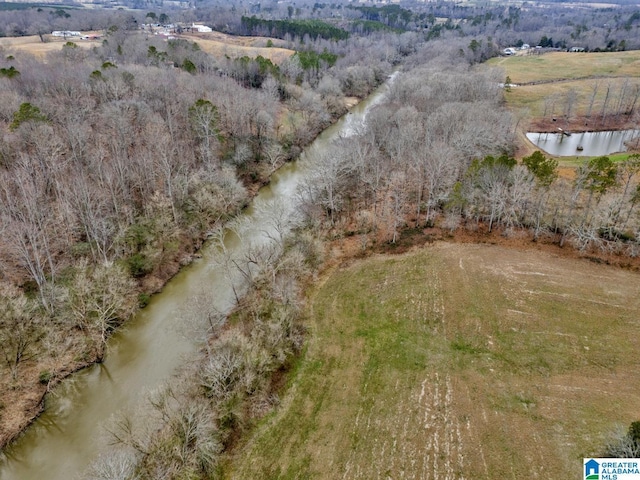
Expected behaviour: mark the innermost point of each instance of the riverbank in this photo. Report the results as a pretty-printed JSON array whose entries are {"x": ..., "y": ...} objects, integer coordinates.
[
  {"x": 21, "y": 405},
  {"x": 145, "y": 356},
  {"x": 579, "y": 124}
]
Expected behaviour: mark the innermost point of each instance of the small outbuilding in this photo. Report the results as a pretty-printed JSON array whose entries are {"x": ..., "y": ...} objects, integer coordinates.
[{"x": 200, "y": 28}]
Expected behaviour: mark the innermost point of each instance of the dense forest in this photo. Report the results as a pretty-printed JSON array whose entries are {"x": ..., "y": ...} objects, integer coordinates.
[
  {"x": 117, "y": 162},
  {"x": 299, "y": 28}
]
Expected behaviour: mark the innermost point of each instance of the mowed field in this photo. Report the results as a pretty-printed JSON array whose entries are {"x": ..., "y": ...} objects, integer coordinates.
[
  {"x": 456, "y": 361},
  {"x": 33, "y": 45},
  {"x": 564, "y": 72},
  {"x": 566, "y": 65},
  {"x": 220, "y": 44},
  {"x": 215, "y": 43}
]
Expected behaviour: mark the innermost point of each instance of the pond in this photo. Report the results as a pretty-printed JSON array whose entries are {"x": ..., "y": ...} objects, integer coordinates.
[{"x": 591, "y": 144}]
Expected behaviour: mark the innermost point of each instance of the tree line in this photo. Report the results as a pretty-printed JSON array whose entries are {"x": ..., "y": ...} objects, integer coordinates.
[
  {"x": 295, "y": 28},
  {"x": 605, "y": 102}
]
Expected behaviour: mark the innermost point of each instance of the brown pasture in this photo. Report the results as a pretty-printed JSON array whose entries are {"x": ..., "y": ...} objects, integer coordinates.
[
  {"x": 220, "y": 45},
  {"x": 453, "y": 362},
  {"x": 33, "y": 45},
  {"x": 215, "y": 43}
]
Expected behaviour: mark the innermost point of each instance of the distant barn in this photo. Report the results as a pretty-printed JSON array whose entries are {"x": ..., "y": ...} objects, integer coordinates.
[{"x": 65, "y": 33}]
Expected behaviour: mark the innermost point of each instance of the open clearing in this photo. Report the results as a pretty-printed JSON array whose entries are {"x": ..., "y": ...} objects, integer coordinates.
[
  {"x": 220, "y": 44},
  {"x": 564, "y": 65},
  {"x": 33, "y": 45},
  {"x": 562, "y": 73},
  {"x": 215, "y": 43},
  {"x": 456, "y": 361}
]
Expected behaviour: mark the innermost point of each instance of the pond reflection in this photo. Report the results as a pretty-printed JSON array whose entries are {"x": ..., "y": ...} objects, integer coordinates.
[{"x": 586, "y": 143}]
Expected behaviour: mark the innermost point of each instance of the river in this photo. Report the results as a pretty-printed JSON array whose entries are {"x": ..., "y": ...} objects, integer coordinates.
[{"x": 147, "y": 352}]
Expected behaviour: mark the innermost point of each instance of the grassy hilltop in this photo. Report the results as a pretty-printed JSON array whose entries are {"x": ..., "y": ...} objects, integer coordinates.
[{"x": 585, "y": 89}]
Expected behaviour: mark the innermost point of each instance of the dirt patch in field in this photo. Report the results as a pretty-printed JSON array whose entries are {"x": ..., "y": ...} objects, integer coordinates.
[{"x": 478, "y": 233}]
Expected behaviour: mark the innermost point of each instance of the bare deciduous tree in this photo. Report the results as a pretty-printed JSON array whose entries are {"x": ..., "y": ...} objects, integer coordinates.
[
  {"x": 116, "y": 465},
  {"x": 20, "y": 329},
  {"x": 99, "y": 299},
  {"x": 30, "y": 221},
  {"x": 329, "y": 172},
  {"x": 204, "y": 117}
]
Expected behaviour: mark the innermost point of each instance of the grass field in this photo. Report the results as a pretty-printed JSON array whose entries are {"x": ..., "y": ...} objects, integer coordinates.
[
  {"x": 584, "y": 90},
  {"x": 533, "y": 97},
  {"x": 217, "y": 44},
  {"x": 564, "y": 65},
  {"x": 573, "y": 162},
  {"x": 456, "y": 361},
  {"x": 565, "y": 72},
  {"x": 33, "y": 45}
]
